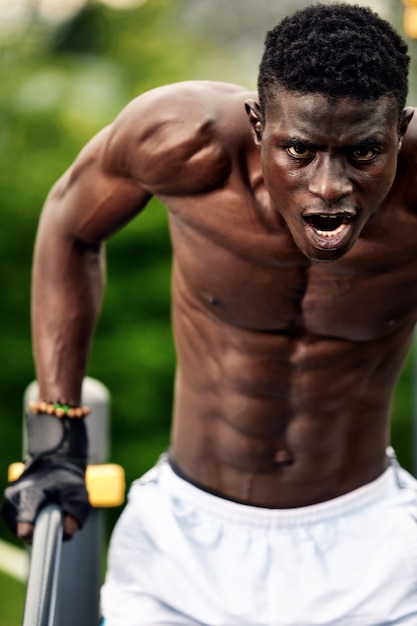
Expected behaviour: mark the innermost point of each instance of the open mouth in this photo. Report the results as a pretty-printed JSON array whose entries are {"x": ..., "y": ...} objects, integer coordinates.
[{"x": 329, "y": 230}]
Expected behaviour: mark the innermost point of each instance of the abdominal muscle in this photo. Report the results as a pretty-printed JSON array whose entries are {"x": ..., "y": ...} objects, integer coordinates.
[{"x": 279, "y": 419}]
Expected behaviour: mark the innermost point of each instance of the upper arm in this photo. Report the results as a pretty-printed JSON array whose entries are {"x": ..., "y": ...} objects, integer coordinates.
[{"x": 165, "y": 142}]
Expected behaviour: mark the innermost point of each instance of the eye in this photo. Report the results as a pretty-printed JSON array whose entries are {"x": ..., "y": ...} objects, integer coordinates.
[
  {"x": 364, "y": 153},
  {"x": 300, "y": 151}
]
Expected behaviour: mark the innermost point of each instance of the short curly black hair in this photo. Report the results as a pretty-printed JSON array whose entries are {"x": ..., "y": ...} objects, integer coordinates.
[{"x": 336, "y": 50}]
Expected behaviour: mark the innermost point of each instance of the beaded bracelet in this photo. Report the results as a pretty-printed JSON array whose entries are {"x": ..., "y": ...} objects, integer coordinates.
[{"x": 59, "y": 409}]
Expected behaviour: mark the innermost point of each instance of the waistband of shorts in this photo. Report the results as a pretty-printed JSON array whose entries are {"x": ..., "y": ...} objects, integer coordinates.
[{"x": 377, "y": 491}]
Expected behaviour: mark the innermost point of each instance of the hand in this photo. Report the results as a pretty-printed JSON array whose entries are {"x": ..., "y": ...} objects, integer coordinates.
[
  {"x": 41, "y": 483},
  {"x": 54, "y": 472}
]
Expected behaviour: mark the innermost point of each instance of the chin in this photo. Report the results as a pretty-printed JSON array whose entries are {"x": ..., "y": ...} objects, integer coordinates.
[
  {"x": 324, "y": 255},
  {"x": 328, "y": 256}
]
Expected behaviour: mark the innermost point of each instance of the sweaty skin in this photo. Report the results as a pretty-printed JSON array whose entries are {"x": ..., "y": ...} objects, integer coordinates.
[{"x": 293, "y": 286}]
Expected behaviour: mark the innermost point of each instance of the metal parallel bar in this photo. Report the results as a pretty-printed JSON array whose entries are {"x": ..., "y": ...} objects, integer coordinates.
[{"x": 44, "y": 566}]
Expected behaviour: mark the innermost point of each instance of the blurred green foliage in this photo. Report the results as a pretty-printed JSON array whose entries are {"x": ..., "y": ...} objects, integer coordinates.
[
  {"x": 59, "y": 86},
  {"x": 12, "y": 601}
]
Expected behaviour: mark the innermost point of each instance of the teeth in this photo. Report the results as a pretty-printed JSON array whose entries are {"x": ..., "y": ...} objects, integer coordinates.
[{"x": 330, "y": 233}]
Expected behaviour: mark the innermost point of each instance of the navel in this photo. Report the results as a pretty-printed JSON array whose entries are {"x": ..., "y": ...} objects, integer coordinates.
[{"x": 283, "y": 457}]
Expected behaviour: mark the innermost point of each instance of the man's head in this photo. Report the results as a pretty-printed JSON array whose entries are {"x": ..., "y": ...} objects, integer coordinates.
[
  {"x": 330, "y": 123},
  {"x": 336, "y": 50}
]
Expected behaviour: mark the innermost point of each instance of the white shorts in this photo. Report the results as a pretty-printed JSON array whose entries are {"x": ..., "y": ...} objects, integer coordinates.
[{"x": 181, "y": 556}]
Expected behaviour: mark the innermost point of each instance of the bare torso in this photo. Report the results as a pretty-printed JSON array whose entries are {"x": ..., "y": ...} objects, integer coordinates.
[
  {"x": 286, "y": 369},
  {"x": 286, "y": 366}
]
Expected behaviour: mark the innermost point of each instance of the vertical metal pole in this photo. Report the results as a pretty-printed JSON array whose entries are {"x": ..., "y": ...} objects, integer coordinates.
[
  {"x": 44, "y": 566},
  {"x": 80, "y": 572}
]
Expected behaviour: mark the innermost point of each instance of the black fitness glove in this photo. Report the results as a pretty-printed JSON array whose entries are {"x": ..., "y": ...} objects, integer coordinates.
[{"x": 54, "y": 471}]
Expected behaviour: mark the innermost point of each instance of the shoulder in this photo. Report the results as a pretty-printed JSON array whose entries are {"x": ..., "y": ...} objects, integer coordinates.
[
  {"x": 409, "y": 147},
  {"x": 406, "y": 178},
  {"x": 180, "y": 138}
]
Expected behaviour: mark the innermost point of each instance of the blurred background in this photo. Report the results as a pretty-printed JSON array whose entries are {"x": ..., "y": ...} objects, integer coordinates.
[{"x": 67, "y": 67}]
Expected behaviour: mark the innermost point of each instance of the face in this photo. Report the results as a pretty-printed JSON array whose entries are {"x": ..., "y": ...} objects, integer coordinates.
[{"x": 328, "y": 164}]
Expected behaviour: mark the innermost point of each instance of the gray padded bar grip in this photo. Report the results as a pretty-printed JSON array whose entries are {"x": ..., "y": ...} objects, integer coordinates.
[{"x": 44, "y": 566}]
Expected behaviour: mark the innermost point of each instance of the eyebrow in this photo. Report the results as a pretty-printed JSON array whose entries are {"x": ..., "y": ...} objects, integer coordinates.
[
  {"x": 292, "y": 141},
  {"x": 372, "y": 140}
]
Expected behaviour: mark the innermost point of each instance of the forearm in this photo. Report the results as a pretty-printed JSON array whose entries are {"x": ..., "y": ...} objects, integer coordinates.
[
  {"x": 94, "y": 198},
  {"x": 67, "y": 289},
  {"x": 66, "y": 298}
]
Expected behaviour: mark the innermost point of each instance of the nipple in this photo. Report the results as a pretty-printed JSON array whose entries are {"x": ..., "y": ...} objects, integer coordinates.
[
  {"x": 283, "y": 457},
  {"x": 211, "y": 299}
]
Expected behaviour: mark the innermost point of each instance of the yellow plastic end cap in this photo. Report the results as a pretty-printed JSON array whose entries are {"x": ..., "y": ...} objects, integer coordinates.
[
  {"x": 15, "y": 470},
  {"x": 105, "y": 485}
]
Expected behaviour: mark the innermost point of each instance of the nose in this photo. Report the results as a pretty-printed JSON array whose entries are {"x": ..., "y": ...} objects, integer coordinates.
[{"x": 329, "y": 180}]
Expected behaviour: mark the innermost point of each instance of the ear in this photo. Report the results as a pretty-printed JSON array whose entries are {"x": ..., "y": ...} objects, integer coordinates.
[
  {"x": 256, "y": 120},
  {"x": 405, "y": 119}
]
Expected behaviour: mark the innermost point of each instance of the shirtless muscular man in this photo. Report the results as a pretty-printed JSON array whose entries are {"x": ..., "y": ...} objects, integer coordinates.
[{"x": 293, "y": 217}]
